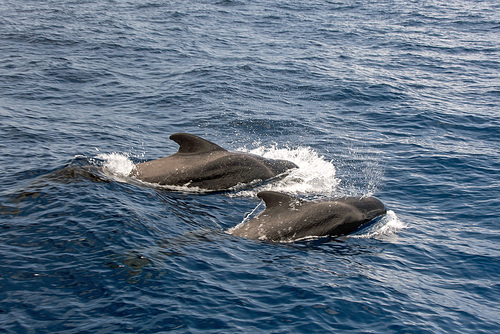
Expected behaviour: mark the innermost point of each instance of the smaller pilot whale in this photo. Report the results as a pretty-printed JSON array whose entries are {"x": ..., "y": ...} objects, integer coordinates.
[
  {"x": 287, "y": 218},
  {"x": 203, "y": 164}
]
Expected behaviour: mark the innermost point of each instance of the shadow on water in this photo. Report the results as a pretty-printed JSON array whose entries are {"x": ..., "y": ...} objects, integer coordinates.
[
  {"x": 39, "y": 181},
  {"x": 77, "y": 170},
  {"x": 214, "y": 245}
]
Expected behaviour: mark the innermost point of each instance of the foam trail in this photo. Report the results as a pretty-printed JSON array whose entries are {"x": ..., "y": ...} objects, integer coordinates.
[
  {"x": 386, "y": 227},
  {"x": 314, "y": 177},
  {"x": 117, "y": 165}
]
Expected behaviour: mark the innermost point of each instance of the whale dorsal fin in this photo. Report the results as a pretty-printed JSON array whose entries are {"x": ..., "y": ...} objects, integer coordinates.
[
  {"x": 191, "y": 144},
  {"x": 275, "y": 199}
]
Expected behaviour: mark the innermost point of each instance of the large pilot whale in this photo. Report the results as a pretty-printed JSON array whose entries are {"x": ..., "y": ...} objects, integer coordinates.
[
  {"x": 288, "y": 218},
  {"x": 203, "y": 164}
]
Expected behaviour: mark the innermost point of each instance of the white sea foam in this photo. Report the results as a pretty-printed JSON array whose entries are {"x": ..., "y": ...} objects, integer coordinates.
[
  {"x": 315, "y": 176},
  {"x": 116, "y": 165},
  {"x": 385, "y": 228}
]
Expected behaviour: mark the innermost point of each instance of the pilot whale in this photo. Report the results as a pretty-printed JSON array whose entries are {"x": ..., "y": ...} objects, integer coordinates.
[
  {"x": 203, "y": 164},
  {"x": 288, "y": 218}
]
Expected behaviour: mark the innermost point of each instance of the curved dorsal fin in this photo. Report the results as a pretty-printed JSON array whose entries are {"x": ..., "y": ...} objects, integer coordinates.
[
  {"x": 275, "y": 199},
  {"x": 191, "y": 144}
]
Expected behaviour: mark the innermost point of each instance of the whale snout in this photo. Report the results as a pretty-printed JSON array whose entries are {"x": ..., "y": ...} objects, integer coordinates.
[
  {"x": 371, "y": 207},
  {"x": 281, "y": 166}
]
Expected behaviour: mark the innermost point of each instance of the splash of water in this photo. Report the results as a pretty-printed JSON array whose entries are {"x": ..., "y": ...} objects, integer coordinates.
[
  {"x": 116, "y": 165},
  {"x": 315, "y": 176},
  {"x": 385, "y": 228}
]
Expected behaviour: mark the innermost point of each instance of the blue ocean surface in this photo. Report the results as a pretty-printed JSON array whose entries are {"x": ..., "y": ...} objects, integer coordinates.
[{"x": 396, "y": 99}]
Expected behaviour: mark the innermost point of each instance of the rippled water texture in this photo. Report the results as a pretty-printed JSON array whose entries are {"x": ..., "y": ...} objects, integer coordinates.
[{"x": 396, "y": 99}]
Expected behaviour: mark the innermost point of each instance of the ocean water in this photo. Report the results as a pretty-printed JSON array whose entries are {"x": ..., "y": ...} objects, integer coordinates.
[{"x": 396, "y": 99}]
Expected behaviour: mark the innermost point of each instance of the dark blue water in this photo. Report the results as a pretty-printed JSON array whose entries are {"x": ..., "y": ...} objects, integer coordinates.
[{"x": 399, "y": 99}]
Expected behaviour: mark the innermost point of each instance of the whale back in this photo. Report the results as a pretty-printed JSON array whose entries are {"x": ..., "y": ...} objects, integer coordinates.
[
  {"x": 275, "y": 200},
  {"x": 190, "y": 144},
  {"x": 288, "y": 218},
  {"x": 203, "y": 164}
]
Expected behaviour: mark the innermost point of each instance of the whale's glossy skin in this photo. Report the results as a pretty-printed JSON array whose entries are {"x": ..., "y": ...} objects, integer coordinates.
[
  {"x": 203, "y": 164},
  {"x": 287, "y": 218}
]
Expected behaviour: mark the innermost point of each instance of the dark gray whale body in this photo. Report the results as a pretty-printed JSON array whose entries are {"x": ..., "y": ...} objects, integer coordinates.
[
  {"x": 287, "y": 218},
  {"x": 203, "y": 164}
]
